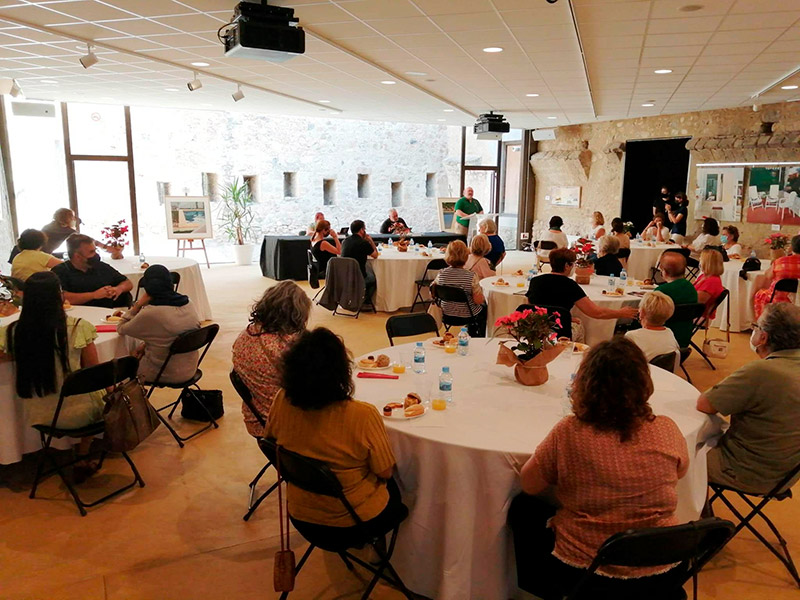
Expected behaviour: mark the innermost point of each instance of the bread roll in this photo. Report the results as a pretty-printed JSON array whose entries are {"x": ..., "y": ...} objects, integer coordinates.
[{"x": 414, "y": 410}]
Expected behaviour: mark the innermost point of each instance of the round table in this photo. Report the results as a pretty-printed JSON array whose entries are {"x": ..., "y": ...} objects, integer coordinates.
[
  {"x": 395, "y": 274},
  {"x": 503, "y": 300},
  {"x": 191, "y": 278},
  {"x": 741, "y": 296},
  {"x": 16, "y": 438},
  {"x": 644, "y": 257},
  {"x": 458, "y": 469}
]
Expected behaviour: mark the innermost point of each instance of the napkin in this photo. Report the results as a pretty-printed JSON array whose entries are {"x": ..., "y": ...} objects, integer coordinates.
[
  {"x": 363, "y": 375},
  {"x": 106, "y": 328}
]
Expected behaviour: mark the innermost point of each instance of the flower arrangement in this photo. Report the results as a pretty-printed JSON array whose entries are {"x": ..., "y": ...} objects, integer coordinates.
[
  {"x": 629, "y": 228},
  {"x": 777, "y": 241},
  {"x": 532, "y": 329},
  {"x": 116, "y": 235}
]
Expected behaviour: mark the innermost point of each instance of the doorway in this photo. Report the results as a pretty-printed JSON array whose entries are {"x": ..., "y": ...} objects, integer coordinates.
[{"x": 649, "y": 165}]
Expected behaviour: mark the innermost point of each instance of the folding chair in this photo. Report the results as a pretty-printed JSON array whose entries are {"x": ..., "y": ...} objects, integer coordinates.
[
  {"x": 454, "y": 295},
  {"x": 655, "y": 272},
  {"x": 666, "y": 361},
  {"x": 543, "y": 245},
  {"x": 689, "y": 544},
  {"x": 784, "y": 285},
  {"x": 176, "y": 280},
  {"x": 190, "y": 341},
  {"x": 313, "y": 274},
  {"x": 705, "y": 320},
  {"x": 244, "y": 393},
  {"x": 408, "y": 325},
  {"x": 90, "y": 379},
  {"x": 687, "y": 313},
  {"x": 437, "y": 264},
  {"x": 314, "y": 476},
  {"x": 563, "y": 314},
  {"x": 777, "y": 493}
]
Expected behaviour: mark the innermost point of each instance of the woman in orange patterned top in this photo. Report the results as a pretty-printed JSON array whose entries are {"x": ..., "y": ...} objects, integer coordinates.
[
  {"x": 785, "y": 267},
  {"x": 275, "y": 322},
  {"x": 615, "y": 466}
]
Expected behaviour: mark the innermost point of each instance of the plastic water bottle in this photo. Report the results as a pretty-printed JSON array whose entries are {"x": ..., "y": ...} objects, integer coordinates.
[
  {"x": 446, "y": 385},
  {"x": 419, "y": 358},
  {"x": 534, "y": 270},
  {"x": 639, "y": 237},
  {"x": 623, "y": 278},
  {"x": 430, "y": 245},
  {"x": 463, "y": 342},
  {"x": 753, "y": 254},
  {"x": 411, "y": 241},
  {"x": 612, "y": 282},
  {"x": 530, "y": 275},
  {"x": 141, "y": 258},
  {"x": 566, "y": 402},
  {"x": 390, "y": 240}
]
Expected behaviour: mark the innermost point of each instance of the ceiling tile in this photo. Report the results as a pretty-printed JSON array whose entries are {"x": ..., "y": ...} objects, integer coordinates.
[{"x": 692, "y": 25}]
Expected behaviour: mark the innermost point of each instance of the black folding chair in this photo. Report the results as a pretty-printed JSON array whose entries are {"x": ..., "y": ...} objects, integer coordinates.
[
  {"x": 689, "y": 544},
  {"x": 655, "y": 272},
  {"x": 705, "y": 320},
  {"x": 665, "y": 361},
  {"x": 784, "y": 285},
  {"x": 90, "y": 379},
  {"x": 687, "y": 313},
  {"x": 244, "y": 393},
  {"x": 176, "y": 281},
  {"x": 314, "y": 476},
  {"x": 191, "y": 341},
  {"x": 780, "y": 492},
  {"x": 408, "y": 325},
  {"x": 437, "y": 264},
  {"x": 543, "y": 245},
  {"x": 313, "y": 273},
  {"x": 624, "y": 253},
  {"x": 454, "y": 295},
  {"x": 566, "y": 317}
]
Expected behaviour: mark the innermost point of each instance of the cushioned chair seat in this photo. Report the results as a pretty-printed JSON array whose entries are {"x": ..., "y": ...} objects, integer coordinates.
[{"x": 86, "y": 431}]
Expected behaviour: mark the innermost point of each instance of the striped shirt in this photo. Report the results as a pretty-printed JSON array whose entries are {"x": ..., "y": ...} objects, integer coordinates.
[{"x": 467, "y": 281}]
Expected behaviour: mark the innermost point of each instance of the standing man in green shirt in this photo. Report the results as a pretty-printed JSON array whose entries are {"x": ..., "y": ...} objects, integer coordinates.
[
  {"x": 466, "y": 206},
  {"x": 681, "y": 290}
]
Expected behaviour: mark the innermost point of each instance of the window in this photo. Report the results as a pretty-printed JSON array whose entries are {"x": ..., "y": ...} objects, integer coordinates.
[
  {"x": 328, "y": 191},
  {"x": 430, "y": 185},
  {"x": 210, "y": 187},
  {"x": 251, "y": 181},
  {"x": 363, "y": 185},
  {"x": 289, "y": 184},
  {"x": 397, "y": 193}
]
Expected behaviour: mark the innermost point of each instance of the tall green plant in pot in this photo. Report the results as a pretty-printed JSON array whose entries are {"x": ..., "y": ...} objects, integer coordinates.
[{"x": 236, "y": 219}]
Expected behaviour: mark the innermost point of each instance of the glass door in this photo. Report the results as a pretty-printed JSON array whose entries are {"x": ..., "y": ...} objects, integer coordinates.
[{"x": 508, "y": 208}]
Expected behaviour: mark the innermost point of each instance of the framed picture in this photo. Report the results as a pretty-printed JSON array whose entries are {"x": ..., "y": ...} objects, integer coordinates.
[
  {"x": 446, "y": 209},
  {"x": 774, "y": 195},
  {"x": 188, "y": 217},
  {"x": 718, "y": 193},
  {"x": 565, "y": 196}
]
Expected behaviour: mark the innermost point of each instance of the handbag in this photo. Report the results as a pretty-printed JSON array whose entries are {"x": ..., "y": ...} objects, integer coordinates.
[
  {"x": 715, "y": 347},
  {"x": 201, "y": 405},
  {"x": 751, "y": 264},
  {"x": 283, "y": 570},
  {"x": 128, "y": 416}
]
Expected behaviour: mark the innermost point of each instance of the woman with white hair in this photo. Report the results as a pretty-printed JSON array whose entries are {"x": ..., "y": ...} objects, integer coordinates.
[
  {"x": 498, "y": 252},
  {"x": 654, "y": 339},
  {"x": 608, "y": 263}
]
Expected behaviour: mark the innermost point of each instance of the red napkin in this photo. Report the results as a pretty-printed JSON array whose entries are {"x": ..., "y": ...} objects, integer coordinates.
[
  {"x": 363, "y": 375},
  {"x": 106, "y": 328}
]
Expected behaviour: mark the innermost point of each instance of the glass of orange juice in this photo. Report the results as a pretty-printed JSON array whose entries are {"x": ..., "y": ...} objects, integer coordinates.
[
  {"x": 450, "y": 346},
  {"x": 402, "y": 362},
  {"x": 398, "y": 367},
  {"x": 439, "y": 404}
]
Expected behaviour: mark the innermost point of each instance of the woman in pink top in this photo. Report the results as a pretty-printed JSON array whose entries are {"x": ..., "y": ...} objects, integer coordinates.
[
  {"x": 476, "y": 262},
  {"x": 709, "y": 285},
  {"x": 615, "y": 466}
]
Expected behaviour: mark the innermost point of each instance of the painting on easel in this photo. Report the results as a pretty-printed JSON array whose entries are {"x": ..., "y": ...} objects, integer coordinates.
[{"x": 188, "y": 217}]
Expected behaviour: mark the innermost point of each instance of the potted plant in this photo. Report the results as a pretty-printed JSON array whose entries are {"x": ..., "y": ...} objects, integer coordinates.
[
  {"x": 115, "y": 238},
  {"x": 236, "y": 217},
  {"x": 583, "y": 266},
  {"x": 777, "y": 243},
  {"x": 629, "y": 228},
  {"x": 537, "y": 345}
]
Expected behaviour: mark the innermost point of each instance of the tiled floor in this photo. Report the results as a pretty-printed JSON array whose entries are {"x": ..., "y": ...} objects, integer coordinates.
[{"x": 182, "y": 536}]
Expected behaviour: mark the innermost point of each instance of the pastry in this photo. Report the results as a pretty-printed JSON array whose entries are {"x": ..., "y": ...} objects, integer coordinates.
[
  {"x": 368, "y": 362},
  {"x": 518, "y": 273},
  {"x": 67, "y": 305},
  {"x": 501, "y": 281},
  {"x": 113, "y": 318},
  {"x": 382, "y": 361},
  {"x": 387, "y": 410},
  {"x": 144, "y": 265},
  {"x": 411, "y": 399},
  {"x": 444, "y": 339},
  {"x": 414, "y": 410}
]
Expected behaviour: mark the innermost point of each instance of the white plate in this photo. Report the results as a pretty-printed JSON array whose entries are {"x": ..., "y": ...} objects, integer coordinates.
[
  {"x": 359, "y": 366},
  {"x": 393, "y": 418},
  {"x": 104, "y": 320}
]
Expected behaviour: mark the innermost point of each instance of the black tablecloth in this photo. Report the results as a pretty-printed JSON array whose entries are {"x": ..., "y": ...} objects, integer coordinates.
[{"x": 284, "y": 256}]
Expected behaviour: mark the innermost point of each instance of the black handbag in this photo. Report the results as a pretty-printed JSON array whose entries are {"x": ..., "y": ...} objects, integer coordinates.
[
  {"x": 751, "y": 264},
  {"x": 201, "y": 405}
]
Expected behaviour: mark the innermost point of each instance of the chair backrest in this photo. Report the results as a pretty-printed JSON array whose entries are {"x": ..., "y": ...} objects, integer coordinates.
[
  {"x": 563, "y": 314},
  {"x": 786, "y": 285},
  {"x": 624, "y": 253},
  {"x": 545, "y": 245},
  {"x": 687, "y": 313},
  {"x": 190, "y": 341},
  {"x": 100, "y": 376},
  {"x": 410, "y": 324},
  {"x": 665, "y": 361},
  {"x": 437, "y": 264},
  {"x": 313, "y": 269},
  {"x": 449, "y": 293},
  {"x": 247, "y": 397}
]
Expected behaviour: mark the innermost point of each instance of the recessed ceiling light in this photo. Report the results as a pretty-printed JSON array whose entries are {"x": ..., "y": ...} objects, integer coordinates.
[
  {"x": 788, "y": 87},
  {"x": 532, "y": 95},
  {"x": 388, "y": 82},
  {"x": 691, "y": 7},
  {"x": 324, "y": 101},
  {"x": 416, "y": 73},
  {"x": 171, "y": 90},
  {"x": 47, "y": 81},
  {"x": 662, "y": 71},
  {"x": 493, "y": 49},
  {"x": 448, "y": 110},
  {"x": 552, "y": 117},
  {"x": 441, "y": 119},
  {"x": 648, "y": 104},
  {"x": 200, "y": 64}
]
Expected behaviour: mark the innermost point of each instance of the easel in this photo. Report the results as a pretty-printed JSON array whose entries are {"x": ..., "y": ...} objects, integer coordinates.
[{"x": 183, "y": 248}]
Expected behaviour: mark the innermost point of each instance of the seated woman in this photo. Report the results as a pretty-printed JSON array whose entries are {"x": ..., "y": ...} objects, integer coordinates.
[
  {"x": 319, "y": 418},
  {"x": 455, "y": 275},
  {"x": 30, "y": 258},
  {"x": 709, "y": 284},
  {"x": 321, "y": 248},
  {"x": 275, "y": 322},
  {"x": 656, "y": 231},
  {"x": 45, "y": 343},
  {"x": 708, "y": 237},
  {"x": 158, "y": 317},
  {"x": 615, "y": 466},
  {"x": 498, "y": 248},
  {"x": 785, "y": 267},
  {"x": 653, "y": 338},
  {"x": 477, "y": 261},
  {"x": 598, "y": 226},
  {"x": 618, "y": 231},
  {"x": 554, "y": 234},
  {"x": 559, "y": 289},
  {"x": 730, "y": 241},
  {"x": 608, "y": 263}
]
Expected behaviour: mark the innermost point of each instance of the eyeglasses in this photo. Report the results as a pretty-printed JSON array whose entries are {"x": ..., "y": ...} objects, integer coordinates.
[{"x": 754, "y": 326}]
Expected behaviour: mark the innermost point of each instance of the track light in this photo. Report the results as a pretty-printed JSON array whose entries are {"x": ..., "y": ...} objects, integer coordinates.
[
  {"x": 10, "y": 87},
  {"x": 238, "y": 94},
  {"x": 90, "y": 58},
  {"x": 195, "y": 84}
]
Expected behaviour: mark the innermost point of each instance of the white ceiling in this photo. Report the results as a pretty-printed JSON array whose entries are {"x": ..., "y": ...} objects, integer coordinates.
[{"x": 720, "y": 56}]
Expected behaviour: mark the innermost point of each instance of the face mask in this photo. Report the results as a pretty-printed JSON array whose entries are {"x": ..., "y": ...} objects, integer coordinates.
[
  {"x": 665, "y": 196},
  {"x": 723, "y": 239},
  {"x": 753, "y": 346},
  {"x": 94, "y": 260}
]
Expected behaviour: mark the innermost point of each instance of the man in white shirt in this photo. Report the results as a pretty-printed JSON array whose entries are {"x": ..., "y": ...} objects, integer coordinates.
[{"x": 653, "y": 338}]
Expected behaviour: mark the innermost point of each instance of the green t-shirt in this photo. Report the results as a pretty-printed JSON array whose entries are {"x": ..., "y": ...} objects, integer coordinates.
[
  {"x": 682, "y": 292},
  {"x": 469, "y": 207}
]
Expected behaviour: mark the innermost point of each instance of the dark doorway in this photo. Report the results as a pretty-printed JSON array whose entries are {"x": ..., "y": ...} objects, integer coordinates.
[{"x": 650, "y": 164}]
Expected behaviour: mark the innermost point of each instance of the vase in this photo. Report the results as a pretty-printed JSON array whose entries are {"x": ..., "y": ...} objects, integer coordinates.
[
  {"x": 583, "y": 275},
  {"x": 776, "y": 253},
  {"x": 244, "y": 254},
  {"x": 116, "y": 253},
  {"x": 532, "y": 371}
]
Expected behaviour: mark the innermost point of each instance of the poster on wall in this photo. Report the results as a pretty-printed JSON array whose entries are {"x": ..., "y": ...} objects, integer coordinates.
[
  {"x": 188, "y": 217},
  {"x": 772, "y": 195},
  {"x": 565, "y": 196},
  {"x": 446, "y": 209},
  {"x": 718, "y": 193}
]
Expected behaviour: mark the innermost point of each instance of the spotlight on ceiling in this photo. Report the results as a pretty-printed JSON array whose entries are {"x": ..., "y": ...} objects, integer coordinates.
[
  {"x": 238, "y": 94},
  {"x": 195, "y": 84},
  {"x": 90, "y": 58},
  {"x": 10, "y": 87}
]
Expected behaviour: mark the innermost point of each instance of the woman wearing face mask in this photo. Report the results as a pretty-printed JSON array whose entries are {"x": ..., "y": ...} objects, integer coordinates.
[
  {"x": 730, "y": 240},
  {"x": 785, "y": 267},
  {"x": 677, "y": 213},
  {"x": 660, "y": 204}
]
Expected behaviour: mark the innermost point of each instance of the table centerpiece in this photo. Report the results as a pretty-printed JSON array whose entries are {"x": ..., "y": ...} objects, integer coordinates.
[
  {"x": 583, "y": 266},
  {"x": 115, "y": 238},
  {"x": 533, "y": 330},
  {"x": 777, "y": 243}
]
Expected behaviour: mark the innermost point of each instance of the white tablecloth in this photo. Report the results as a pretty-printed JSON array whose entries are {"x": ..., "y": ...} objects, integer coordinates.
[
  {"x": 458, "y": 468},
  {"x": 395, "y": 274},
  {"x": 644, "y": 258},
  {"x": 741, "y": 295},
  {"x": 504, "y": 300},
  {"x": 16, "y": 438},
  {"x": 191, "y": 278}
]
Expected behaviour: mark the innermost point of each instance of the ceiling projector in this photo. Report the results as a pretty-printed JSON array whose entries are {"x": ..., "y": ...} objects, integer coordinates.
[
  {"x": 490, "y": 126},
  {"x": 264, "y": 32}
]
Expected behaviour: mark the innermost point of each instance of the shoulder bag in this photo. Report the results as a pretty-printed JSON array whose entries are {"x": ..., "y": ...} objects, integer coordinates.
[{"x": 129, "y": 418}]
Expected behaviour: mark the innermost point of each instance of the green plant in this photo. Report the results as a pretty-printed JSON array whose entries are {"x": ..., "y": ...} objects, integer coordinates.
[
  {"x": 532, "y": 328},
  {"x": 236, "y": 215}
]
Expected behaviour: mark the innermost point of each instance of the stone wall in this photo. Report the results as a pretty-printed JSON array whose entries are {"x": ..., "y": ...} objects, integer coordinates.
[{"x": 592, "y": 156}]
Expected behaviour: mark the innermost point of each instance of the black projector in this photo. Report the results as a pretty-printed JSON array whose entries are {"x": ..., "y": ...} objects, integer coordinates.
[
  {"x": 491, "y": 127},
  {"x": 264, "y": 32}
]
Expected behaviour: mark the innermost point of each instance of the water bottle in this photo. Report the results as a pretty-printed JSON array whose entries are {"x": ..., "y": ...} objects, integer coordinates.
[
  {"x": 753, "y": 254},
  {"x": 446, "y": 385},
  {"x": 534, "y": 270},
  {"x": 463, "y": 342},
  {"x": 141, "y": 258},
  {"x": 530, "y": 275},
  {"x": 612, "y": 282},
  {"x": 639, "y": 238},
  {"x": 566, "y": 402},
  {"x": 430, "y": 245},
  {"x": 390, "y": 240},
  {"x": 623, "y": 278},
  {"x": 411, "y": 241},
  {"x": 419, "y": 358}
]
